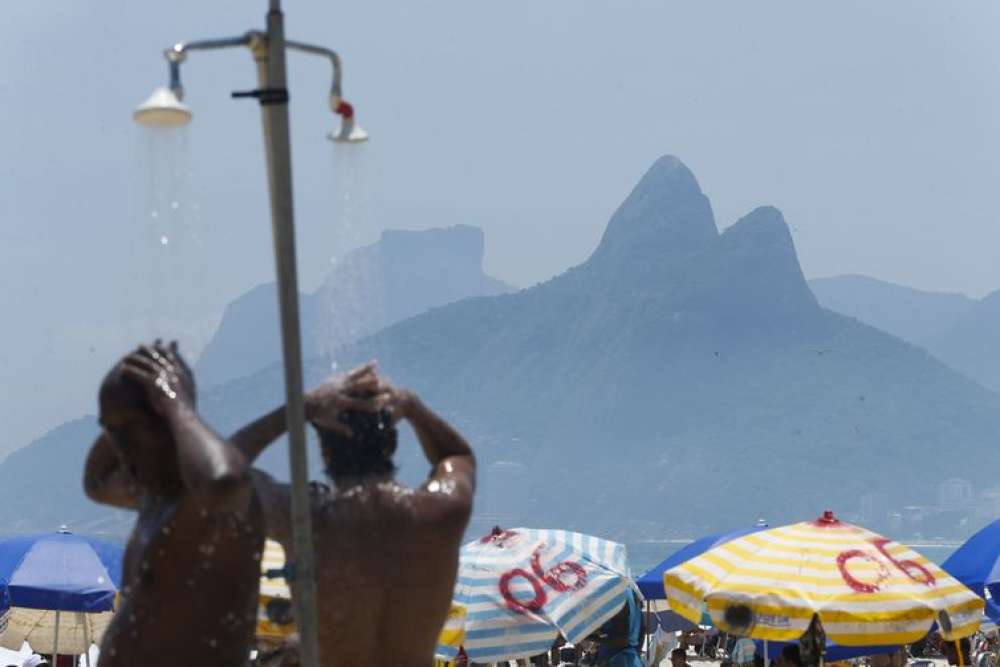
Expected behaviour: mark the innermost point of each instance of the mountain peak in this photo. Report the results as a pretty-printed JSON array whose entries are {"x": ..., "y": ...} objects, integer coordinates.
[
  {"x": 463, "y": 244},
  {"x": 669, "y": 173},
  {"x": 665, "y": 216},
  {"x": 758, "y": 255}
]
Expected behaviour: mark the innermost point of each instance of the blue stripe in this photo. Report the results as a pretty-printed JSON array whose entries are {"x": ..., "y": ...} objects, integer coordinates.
[
  {"x": 505, "y": 631},
  {"x": 600, "y": 591},
  {"x": 489, "y": 615},
  {"x": 494, "y": 653},
  {"x": 446, "y": 652},
  {"x": 609, "y": 610}
]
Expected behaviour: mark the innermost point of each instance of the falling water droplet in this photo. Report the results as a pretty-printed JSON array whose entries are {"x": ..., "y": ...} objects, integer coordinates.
[
  {"x": 164, "y": 240},
  {"x": 154, "y": 214},
  {"x": 175, "y": 205},
  {"x": 333, "y": 365}
]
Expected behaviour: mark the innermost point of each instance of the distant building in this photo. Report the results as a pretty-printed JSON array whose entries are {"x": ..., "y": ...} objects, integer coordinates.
[{"x": 955, "y": 494}]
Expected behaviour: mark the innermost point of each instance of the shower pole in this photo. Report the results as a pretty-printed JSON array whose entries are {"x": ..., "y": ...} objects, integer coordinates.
[
  {"x": 165, "y": 108},
  {"x": 269, "y": 54}
]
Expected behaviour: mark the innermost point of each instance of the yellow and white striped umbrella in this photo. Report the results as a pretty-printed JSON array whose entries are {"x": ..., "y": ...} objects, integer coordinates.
[
  {"x": 274, "y": 617},
  {"x": 866, "y": 589}
]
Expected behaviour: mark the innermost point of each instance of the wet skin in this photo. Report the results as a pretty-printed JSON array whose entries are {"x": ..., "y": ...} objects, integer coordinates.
[
  {"x": 192, "y": 564},
  {"x": 386, "y": 555}
]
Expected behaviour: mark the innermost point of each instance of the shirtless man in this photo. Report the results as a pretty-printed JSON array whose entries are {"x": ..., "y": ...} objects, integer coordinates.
[
  {"x": 190, "y": 579},
  {"x": 192, "y": 565},
  {"x": 386, "y": 554}
]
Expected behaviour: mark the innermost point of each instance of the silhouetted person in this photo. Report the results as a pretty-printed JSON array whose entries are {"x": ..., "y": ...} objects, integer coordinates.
[
  {"x": 679, "y": 657},
  {"x": 952, "y": 655},
  {"x": 386, "y": 554},
  {"x": 622, "y": 635},
  {"x": 191, "y": 569}
]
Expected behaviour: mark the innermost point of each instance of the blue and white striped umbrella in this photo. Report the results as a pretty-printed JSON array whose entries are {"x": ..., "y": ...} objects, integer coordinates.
[{"x": 518, "y": 589}]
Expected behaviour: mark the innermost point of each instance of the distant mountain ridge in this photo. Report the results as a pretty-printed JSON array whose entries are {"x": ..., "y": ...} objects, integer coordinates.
[
  {"x": 679, "y": 380},
  {"x": 911, "y": 314},
  {"x": 685, "y": 378},
  {"x": 402, "y": 274},
  {"x": 962, "y": 332}
]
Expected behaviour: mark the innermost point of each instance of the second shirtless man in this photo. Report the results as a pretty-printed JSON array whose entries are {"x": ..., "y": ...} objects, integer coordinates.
[{"x": 386, "y": 554}]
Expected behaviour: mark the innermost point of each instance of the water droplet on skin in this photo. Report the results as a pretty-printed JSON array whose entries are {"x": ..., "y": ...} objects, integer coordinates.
[{"x": 164, "y": 240}]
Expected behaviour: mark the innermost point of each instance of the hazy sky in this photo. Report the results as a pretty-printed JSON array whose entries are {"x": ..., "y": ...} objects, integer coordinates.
[{"x": 872, "y": 125}]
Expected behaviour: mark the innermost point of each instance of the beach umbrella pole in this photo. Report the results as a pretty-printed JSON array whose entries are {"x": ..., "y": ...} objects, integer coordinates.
[
  {"x": 86, "y": 637},
  {"x": 55, "y": 639},
  {"x": 649, "y": 635}
]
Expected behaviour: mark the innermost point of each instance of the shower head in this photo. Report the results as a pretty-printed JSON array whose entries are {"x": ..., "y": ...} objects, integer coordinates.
[
  {"x": 163, "y": 108},
  {"x": 350, "y": 132}
]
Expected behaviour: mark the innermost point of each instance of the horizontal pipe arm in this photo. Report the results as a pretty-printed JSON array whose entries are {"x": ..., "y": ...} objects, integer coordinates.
[
  {"x": 334, "y": 60},
  {"x": 177, "y": 51}
]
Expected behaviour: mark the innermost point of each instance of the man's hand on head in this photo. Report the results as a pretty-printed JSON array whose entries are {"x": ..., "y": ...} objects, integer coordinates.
[
  {"x": 163, "y": 375},
  {"x": 394, "y": 400},
  {"x": 356, "y": 390}
]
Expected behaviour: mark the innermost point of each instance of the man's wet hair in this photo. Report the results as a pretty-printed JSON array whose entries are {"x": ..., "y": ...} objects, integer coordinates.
[
  {"x": 367, "y": 453},
  {"x": 124, "y": 392}
]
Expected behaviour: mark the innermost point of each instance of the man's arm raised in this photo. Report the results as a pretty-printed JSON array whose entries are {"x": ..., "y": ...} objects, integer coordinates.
[
  {"x": 453, "y": 465},
  {"x": 214, "y": 472},
  {"x": 327, "y": 400},
  {"x": 330, "y": 398}
]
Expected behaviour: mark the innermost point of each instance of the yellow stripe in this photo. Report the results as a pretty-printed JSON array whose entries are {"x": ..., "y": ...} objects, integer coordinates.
[
  {"x": 736, "y": 549},
  {"x": 709, "y": 581},
  {"x": 747, "y": 568},
  {"x": 808, "y": 548},
  {"x": 963, "y": 630},
  {"x": 672, "y": 580},
  {"x": 721, "y": 603},
  {"x": 690, "y": 613},
  {"x": 816, "y": 596},
  {"x": 925, "y": 592}
]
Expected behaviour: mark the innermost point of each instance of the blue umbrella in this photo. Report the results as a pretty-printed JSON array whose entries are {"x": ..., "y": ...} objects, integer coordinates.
[
  {"x": 60, "y": 571},
  {"x": 977, "y": 565},
  {"x": 44, "y": 576},
  {"x": 651, "y": 583}
]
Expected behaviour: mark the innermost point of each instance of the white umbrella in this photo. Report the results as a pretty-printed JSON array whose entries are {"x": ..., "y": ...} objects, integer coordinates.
[
  {"x": 76, "y": 630},
  {"x": 518, "y": 589}
]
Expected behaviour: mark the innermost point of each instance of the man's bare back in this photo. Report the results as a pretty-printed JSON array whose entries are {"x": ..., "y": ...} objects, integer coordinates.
[
  {"x": 192, "y": 565},
  {"x": 386, "y": 555}
]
